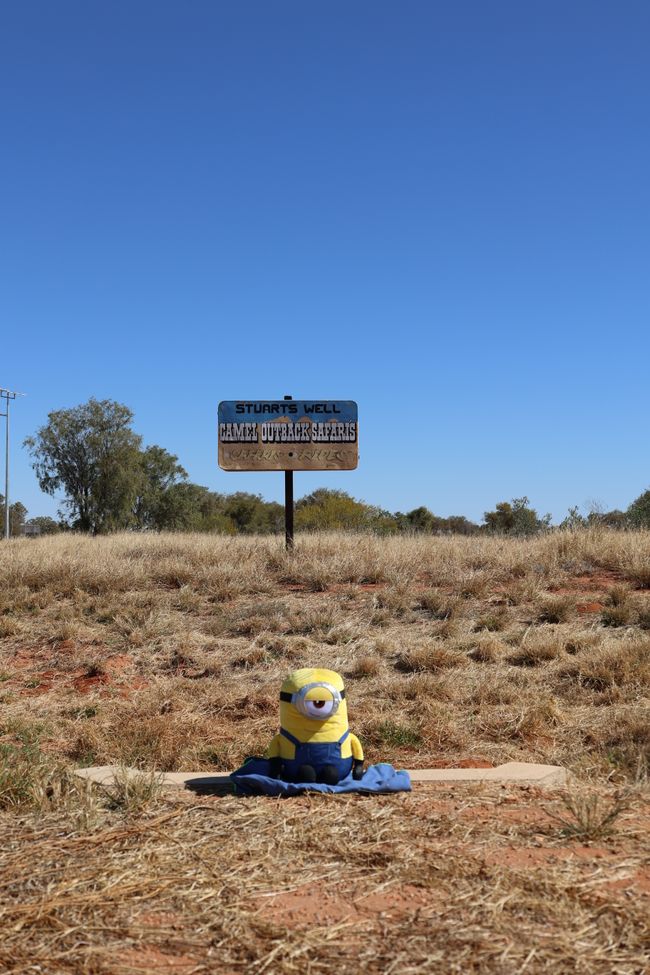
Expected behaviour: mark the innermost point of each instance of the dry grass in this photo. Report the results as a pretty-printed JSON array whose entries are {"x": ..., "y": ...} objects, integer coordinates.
[
  {"x": 449, "y": 882},
  {"x": 164, "y": 637},
  {"x": 166, "y": 652}
]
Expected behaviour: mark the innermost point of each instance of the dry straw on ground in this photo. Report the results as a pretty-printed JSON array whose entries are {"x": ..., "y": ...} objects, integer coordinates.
[{"x": 166, "y": 652}]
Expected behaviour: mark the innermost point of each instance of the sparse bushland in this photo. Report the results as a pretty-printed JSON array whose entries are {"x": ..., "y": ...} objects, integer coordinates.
[
  {"x": 167, "y": 652},
  {"x": 143, "y": 628},
  {"x": 92, "y": 458}
]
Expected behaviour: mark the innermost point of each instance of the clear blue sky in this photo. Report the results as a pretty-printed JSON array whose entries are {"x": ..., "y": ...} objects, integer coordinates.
[{"x": 440, "y": 210}]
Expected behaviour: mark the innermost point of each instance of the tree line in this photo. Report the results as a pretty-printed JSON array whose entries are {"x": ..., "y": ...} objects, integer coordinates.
[{"x": 110, "y": 481}]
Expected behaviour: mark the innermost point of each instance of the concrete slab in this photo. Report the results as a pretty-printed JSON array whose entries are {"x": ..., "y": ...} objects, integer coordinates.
[
  {"x": 214, "y": 784},
  {"x": 521, "y": 773},
  {"x": 524, "y": 773}
]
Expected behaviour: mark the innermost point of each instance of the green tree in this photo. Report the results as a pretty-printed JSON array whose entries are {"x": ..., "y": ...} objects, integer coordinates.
[
  {"x": 610, "y": 519},
  {"x": 45, "y": 524},
  {"x": 328, "y": 510},
  {"x": 92, "y": 455},
  {"x": 17, "y": 515},
  {"x": 574, "y": 519},
  {"x": 420, "y": 520},
  {"x": 423, "y": 520},
  {"x": 381, "y": 521},
  {"x": 252, "y": 515},
  {"x": 639, "y": 511},
  {"x": 191, "y": 507},
  {"x": 515, "y": 518},
  {"x": 460, "y": 525},
  {"x": 159, "y": 471}
]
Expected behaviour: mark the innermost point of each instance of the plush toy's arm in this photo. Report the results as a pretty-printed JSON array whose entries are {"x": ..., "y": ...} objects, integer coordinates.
[
  {"x": 357, "y": 750},
  {"x": 273, "y": 755},
  {"x": 273, "y": 750},
  {"x": 357, "y": 756}
]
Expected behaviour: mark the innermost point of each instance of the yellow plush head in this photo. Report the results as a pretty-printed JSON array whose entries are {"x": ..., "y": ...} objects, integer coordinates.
[{"x": 312, "y": 705}]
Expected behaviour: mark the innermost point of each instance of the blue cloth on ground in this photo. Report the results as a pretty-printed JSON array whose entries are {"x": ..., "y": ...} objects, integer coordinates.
[{"x": 253, "y": 779}]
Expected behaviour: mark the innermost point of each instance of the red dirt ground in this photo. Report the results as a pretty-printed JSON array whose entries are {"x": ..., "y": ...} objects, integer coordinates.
[
  {"x": 589, "y": 607},
  {"x": 33, "y": 673},
  {"x": 596, "y": 582},
  {"x": 318, "y": 904}
]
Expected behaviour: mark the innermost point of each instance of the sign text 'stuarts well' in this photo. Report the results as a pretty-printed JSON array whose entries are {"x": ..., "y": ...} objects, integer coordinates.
[{"x": 281, "y": 435}]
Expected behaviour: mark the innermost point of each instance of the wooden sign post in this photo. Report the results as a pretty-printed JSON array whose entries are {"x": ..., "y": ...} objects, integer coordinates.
[
  {"x": 288, "y": 507},
  {"x": 288, "y": 435}
]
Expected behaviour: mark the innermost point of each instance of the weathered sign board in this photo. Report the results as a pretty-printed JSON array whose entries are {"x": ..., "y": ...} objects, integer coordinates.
[{"x": 288, "y": 435}]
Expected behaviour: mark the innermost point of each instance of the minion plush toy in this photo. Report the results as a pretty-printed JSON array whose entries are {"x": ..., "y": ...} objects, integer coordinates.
[{"x": 314, "y": 743}]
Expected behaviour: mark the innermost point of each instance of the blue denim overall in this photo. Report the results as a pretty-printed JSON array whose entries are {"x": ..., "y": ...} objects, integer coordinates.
[{"x": 316, "y": 754}]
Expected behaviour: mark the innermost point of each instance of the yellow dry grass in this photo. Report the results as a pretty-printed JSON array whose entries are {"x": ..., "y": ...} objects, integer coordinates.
[{"x": 167, "y": 652}]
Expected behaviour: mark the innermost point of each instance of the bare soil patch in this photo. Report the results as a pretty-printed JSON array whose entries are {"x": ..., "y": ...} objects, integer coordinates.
[{"x": 319, "y": 905}]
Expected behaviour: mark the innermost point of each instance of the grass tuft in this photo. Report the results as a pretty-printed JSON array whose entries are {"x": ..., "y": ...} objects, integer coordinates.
[
  {"x": 589, "y": 816},
  {"x": 367, "y": 666},
  {"x": 132, "y": 794},
  {"x": 429, "y": 658},
  {"x": 556, "y": 609}
]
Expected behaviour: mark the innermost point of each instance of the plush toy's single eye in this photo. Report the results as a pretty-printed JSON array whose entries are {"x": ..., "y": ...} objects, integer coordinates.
[
  {"x": 318, "y": 700},
  {"x": 318, "y": 709}
]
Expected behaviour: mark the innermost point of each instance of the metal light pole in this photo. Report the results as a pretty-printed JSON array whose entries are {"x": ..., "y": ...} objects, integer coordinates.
[{"x": 7, "y": 395}]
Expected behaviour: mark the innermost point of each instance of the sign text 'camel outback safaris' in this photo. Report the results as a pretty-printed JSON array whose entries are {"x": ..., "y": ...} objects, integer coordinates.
[{"x": 288, "y": 435}]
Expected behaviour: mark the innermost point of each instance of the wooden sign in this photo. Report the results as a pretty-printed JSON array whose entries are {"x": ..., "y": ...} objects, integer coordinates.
[{"x": 288, "y": 435}]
